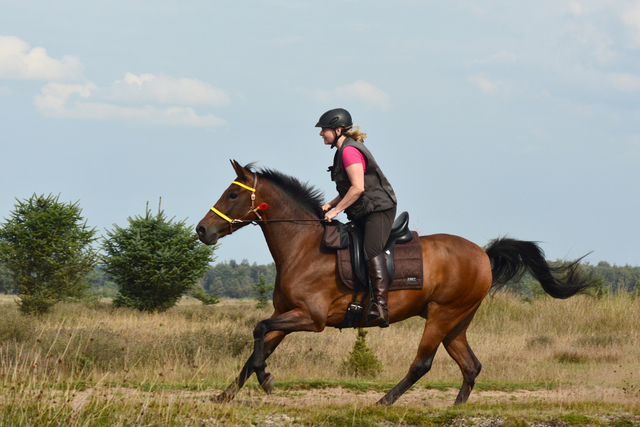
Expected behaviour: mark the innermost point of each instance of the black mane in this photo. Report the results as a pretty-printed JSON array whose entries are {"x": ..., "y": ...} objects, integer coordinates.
[{"x": 302, "y": 193}]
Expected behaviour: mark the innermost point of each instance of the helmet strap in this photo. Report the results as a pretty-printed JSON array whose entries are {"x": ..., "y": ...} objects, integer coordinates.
[{"x": 337, "y": 137}]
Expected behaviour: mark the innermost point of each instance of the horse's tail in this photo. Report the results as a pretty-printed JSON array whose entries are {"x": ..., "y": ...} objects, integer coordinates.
[{"x": 510, "y": 259}]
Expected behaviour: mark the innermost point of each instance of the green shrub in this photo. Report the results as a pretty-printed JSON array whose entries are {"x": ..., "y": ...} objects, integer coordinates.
[
  {"x": 200, "y": 294},
  {"x": 362, "y": 361},
  {"x": 539, "y": 342},
  {"x": 6, "y": 284},
  {"x": 46, "y": 246},
  {"x": 600, "y": 340},
  {"x": 262, "y": 292},
  {"x": 570, "y": 357},
  {"x": 154, "y": 261}
]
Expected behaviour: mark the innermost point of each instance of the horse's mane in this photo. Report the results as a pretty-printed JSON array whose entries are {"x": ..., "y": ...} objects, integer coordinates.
[{"x": 302, "y": 193}]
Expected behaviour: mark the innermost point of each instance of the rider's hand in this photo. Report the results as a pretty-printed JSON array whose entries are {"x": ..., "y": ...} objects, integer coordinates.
[
  {"x": 330, "y": 215},
  {"x": 326, "y": 207}
]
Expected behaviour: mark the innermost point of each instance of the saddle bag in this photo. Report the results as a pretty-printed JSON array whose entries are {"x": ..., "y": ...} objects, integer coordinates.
[{"x": 336, "y": 235}]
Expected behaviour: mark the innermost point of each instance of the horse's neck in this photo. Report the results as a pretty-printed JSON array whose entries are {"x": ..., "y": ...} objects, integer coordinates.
[{"x": 288, "y": 240}]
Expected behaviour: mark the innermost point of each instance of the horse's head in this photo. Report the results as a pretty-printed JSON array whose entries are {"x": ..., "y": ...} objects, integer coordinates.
[{"x": 236, "y": 208}]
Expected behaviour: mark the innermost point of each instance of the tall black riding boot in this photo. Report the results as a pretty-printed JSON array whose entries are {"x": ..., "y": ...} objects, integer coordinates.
[{"x": 378, "y": 314}]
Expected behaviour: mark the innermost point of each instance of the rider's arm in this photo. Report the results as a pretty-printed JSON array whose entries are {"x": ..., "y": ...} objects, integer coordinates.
[
  {"x": 355, "y": 172},
  {"x": 332, "y": 204}
]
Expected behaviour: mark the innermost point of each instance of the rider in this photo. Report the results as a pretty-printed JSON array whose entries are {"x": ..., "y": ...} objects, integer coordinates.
[{"x": 365, "y": 194}]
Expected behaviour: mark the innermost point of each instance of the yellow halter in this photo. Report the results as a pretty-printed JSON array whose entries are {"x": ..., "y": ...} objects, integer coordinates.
[{"x": 252, "y": 209}]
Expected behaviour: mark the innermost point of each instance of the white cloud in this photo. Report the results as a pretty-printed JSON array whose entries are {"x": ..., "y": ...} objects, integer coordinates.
[
  {"x": 18, "y": 61},
  {"x": 360, "y": 90},
  {"x": 54, "y": 96},
  {"x": 502, "y": 57},
  {"x": 282, "y": 41},
  {"x": 576, "y": 8},
  {"x": 631, "y": 17},
  {"x": 165, "y": 90},
  {"x": 83, "y": 102},
  {"x": 159, "y": 99},
  {"x": 625, "y": 82},
  {"x": 485, "y": 85}
]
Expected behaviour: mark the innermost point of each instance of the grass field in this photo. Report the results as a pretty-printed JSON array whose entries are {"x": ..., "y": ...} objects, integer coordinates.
[{"x": 545, "y": 362}]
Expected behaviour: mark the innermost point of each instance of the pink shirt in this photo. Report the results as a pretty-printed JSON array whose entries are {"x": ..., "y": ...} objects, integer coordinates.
[{"x": 351, "y": 156}]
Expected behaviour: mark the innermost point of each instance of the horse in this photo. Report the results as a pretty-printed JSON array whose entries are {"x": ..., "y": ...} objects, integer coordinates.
[{"x": 308, "y": 293}]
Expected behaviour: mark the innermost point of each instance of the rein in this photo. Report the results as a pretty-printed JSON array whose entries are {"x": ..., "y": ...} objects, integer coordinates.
[{"x": 254, "y": 210}]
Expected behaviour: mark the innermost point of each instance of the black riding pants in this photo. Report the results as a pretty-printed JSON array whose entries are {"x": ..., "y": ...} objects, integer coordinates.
[{"x": 377, "y": 227}]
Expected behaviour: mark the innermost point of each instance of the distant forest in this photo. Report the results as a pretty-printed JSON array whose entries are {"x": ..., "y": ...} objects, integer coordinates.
[
  {"x": 226, "y": 280},
  {"x": 234, "y": 280}
]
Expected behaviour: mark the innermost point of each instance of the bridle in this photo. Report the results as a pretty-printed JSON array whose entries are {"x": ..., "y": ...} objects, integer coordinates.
[{"x": 254, "y": 209}]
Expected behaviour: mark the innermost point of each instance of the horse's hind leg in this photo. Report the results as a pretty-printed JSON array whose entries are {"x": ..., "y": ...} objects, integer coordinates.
[
  {"x": 419, "y": 367},
  {"x": 458, "y": 348},
  {"x": 434, "y": 331}
]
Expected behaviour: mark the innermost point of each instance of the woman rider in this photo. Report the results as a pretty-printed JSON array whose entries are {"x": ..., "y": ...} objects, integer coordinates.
[{"x": 365, "y": 194}]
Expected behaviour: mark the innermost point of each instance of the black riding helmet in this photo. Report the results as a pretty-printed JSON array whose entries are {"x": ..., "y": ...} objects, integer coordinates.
[{"x": 335, "y": 118}]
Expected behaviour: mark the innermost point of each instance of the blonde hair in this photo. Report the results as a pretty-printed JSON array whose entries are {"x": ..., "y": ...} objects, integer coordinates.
[{"x": 355, "y": 133}]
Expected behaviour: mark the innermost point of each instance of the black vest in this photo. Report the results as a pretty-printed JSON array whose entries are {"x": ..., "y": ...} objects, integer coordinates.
[{"x": 378, "y": 194}]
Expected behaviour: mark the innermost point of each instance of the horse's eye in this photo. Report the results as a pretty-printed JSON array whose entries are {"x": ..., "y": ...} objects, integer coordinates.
[{"x": 233, "y": 196}]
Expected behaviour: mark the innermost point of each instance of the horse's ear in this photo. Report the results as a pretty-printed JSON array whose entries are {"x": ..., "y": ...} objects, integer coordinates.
[{"x": 240, "y": 172}]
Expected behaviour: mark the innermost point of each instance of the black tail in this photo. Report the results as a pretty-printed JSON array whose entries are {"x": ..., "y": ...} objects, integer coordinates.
[{"x": 510, "y": 259}]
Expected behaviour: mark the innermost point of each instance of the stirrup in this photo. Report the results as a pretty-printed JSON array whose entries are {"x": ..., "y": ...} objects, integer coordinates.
[{"x": 377, "y": 319}]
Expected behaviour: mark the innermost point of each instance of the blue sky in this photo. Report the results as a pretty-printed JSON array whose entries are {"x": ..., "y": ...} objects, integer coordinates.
[{"x": 488, "y": 117}]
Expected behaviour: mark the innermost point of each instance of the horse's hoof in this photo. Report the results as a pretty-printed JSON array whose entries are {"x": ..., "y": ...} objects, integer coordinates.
[
  {"x": 221, "y": 398},
  {"x": 268, "y": 384},
  {"x": 385, "y": 401}
]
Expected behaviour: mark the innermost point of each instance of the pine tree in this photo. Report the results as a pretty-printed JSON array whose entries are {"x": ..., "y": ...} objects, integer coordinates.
[
  {"x": 262, "y": 292},
  {"x": 154, "y": 261},
  {"x": 47, "y": 247},
  {"x": 362, "y": 361}
]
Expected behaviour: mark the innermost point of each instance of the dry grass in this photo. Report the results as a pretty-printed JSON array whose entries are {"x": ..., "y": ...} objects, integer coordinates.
[{"x": 93, "y": 364}]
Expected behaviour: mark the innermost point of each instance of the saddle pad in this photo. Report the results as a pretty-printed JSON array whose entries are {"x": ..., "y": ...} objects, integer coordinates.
[{"x": 407, "y": 258}]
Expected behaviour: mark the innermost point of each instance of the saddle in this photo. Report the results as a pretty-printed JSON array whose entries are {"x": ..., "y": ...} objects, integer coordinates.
[
  {"x": 404, "y": 262},
  {"x": 402, "y": 251}
]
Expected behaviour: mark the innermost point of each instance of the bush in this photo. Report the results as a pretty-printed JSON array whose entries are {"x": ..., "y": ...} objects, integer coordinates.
[
  {"x": 262, "y": 292},
  {"x": 6, "y": 285},
  {"x": 154, "y": 261},
  {"x": 362, "y": 362},
  {"x": 46, "y": 247},
  {"x": 200, "y": 294}
]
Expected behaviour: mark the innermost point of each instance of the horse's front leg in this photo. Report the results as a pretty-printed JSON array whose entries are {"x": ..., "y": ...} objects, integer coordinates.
[
  {"x": 291, "y": 321},
  {"x": 270, "y": 343}
]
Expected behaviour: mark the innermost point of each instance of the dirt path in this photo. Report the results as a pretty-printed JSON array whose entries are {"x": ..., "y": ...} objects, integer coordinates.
[
  {"x": 429, "y": 398},
  {"x": 426, "y": 399},
  {"x": 421, "y": 398}
]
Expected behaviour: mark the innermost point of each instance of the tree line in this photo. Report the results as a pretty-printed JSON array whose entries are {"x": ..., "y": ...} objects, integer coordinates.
[
  {"x": 608, "y": 280},
  {"x": 237, "y": 280},
  {"x": 47, "y": 255},
  {"x": 225, "y": 280}
]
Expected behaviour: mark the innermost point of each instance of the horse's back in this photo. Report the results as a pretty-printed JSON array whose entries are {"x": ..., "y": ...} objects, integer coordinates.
[
  {"x": 455, "y": 269},
  {"x": 456, "y": 274}
]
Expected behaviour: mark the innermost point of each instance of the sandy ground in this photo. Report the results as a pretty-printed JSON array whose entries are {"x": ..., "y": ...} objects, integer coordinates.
[
  {"x": 420, "y": 398},
  {"x": 428, "y": 398}
]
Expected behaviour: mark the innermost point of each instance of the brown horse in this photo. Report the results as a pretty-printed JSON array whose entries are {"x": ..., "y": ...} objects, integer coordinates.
[{"x": 309, "y": 296}]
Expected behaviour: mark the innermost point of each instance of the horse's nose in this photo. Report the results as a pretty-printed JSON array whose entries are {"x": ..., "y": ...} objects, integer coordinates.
[{"x": 201, "y": 231}]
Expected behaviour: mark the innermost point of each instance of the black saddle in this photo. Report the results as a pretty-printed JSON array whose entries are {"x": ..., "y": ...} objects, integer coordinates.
[{"x": 400, "y": 233}]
